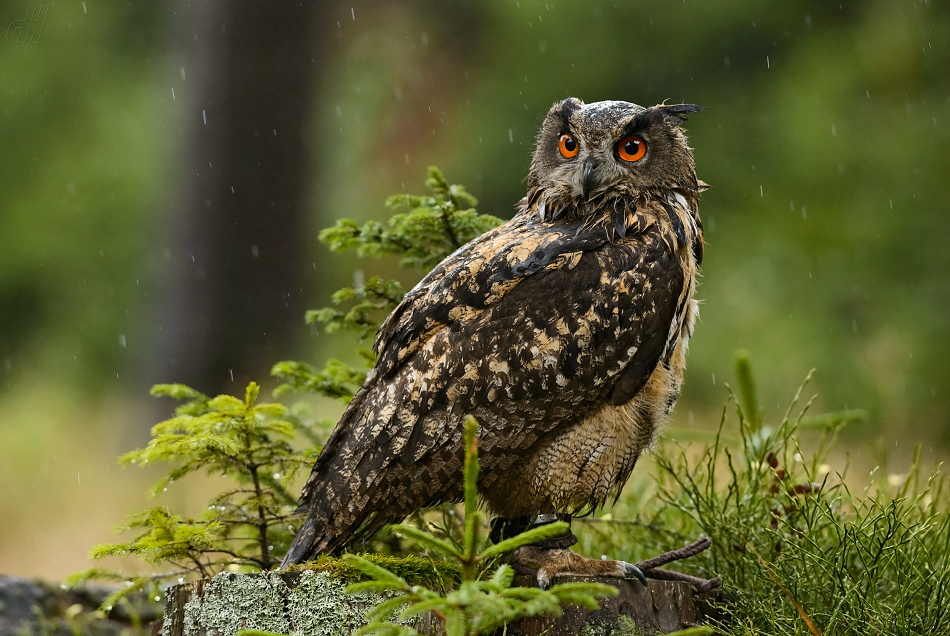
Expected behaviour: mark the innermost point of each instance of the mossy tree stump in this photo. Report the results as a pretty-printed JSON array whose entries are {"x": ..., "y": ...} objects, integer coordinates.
[{"x": 313, "y": 603}]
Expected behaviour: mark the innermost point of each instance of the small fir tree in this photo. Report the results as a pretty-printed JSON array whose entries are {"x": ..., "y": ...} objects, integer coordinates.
[
  {"x": 430, "y": 228},
  {"x": 243, "y": 527}
]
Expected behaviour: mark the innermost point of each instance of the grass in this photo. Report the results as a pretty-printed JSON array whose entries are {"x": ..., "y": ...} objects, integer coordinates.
[{"x": 800, "y": 549}]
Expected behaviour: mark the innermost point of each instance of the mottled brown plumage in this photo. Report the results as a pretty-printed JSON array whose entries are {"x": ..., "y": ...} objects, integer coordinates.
[{"x": 563, "y": 332}]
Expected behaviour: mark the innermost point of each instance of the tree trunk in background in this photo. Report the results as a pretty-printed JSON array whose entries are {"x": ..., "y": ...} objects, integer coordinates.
[{"x": 236, "y": 284}]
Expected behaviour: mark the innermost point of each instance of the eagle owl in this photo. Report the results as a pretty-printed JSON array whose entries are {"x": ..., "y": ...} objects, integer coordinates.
[{"x": 563, "y": 332}]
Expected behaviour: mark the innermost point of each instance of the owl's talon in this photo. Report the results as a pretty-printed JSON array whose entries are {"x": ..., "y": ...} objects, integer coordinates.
[
  {"x": 634, "y": 571},
  {"x": 544, "y": 581},
  {"x": 552, "y": 563}
]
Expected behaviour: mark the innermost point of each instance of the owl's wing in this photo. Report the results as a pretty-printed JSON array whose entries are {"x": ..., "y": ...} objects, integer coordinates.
[
  {"x": 442, "y": 305},
  {"x": 474, "y": 278},
  {"x": 527, "y": 328}
]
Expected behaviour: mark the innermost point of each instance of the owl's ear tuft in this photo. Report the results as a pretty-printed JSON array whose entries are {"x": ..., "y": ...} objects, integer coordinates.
[
  {"x": 679, "y": 111},
  {"x": 567, "y": 108}
]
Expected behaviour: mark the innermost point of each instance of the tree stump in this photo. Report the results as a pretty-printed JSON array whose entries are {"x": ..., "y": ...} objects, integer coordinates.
[{"x": 313, "y": 603}]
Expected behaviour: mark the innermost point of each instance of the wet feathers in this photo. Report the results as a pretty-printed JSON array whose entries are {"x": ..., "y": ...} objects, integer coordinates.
[{"x": 563, "y": 331}]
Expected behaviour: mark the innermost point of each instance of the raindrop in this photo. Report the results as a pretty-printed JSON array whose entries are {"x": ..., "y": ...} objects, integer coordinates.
[
  {"x": 854, "y": 325},
  {"x": 714, "y": 378},
  {"x": 768, "y": 63},
  {"x": 353, "y": 12},
  {"x": 834, "y": 130},
  {"x": 231, "y": 372},
  {"x": 890, "y": 202},
  {"x": 84, "y": 8},
  {"x": 182, "y": 73},
  {"x": 173, "y": 93},
  {"x": 804, "y": 212},
  {"x": 761, "y": 193},
  {"x": 255, "y": 252},
  {"x": 511, "y": 136},
  {"x": 122, "y": 340},
  {"x": 78, "y": 480},
  {"x": 204, "y": 116},
  {"x": 725, "y": 61},
  {"x": 425, "y": 39}
]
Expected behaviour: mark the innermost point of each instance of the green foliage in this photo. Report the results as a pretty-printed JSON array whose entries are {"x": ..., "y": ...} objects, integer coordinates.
[
  {"x": 433, "y": 227},
  {"x": 478, "y": 605},
  {"x": 243, "y": 526}
]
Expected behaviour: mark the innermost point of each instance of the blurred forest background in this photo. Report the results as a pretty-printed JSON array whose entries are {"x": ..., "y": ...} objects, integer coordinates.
[{"x": 168, "y": 164}]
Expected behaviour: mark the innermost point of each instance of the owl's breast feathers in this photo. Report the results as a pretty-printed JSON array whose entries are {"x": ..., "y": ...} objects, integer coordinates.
[{"x": 531, "y": 327}]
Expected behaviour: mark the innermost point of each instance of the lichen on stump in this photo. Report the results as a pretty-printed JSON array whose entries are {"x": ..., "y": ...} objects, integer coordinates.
[
  {"x": 313, "y": 603},
  {"x": 307, "y": 602}
]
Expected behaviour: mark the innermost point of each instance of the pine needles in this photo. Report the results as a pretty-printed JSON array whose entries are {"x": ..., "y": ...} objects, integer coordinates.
[{"x": 246, "y": 526}]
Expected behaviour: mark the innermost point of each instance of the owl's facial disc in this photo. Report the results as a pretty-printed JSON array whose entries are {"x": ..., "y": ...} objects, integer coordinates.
[
  {"x": 589, "y": 157},
  {"x": 595, "y": 168},
  {"x": 585, "y": 152}
]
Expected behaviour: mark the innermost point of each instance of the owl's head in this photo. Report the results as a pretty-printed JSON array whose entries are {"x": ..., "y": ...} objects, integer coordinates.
[{"x": 586, "y": 151}]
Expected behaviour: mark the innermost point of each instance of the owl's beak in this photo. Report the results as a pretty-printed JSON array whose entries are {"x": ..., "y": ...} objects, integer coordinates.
[{"x": 588, "y": 181}]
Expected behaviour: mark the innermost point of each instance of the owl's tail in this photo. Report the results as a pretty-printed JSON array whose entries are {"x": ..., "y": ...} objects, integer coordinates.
[
  {"x": 320, "y": 535},
  {"x": 309, "y": 543}
]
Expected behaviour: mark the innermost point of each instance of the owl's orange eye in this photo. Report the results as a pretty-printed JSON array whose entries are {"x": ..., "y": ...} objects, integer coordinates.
[
  {"x": 632, "y": 148},
  {"x": 567, "y": 145}
]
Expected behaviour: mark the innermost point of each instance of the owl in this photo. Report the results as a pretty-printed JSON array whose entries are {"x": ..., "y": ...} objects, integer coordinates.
[{"x": 563, "y": 332}]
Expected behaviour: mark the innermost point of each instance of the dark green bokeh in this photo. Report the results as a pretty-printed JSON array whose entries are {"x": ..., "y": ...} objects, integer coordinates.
[{"x": 825, "y": 140}]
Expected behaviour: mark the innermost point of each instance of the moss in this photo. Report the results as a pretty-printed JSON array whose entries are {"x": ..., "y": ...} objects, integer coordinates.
[
  {"x": 415, "y": 570},
  {"x": 623, "y": 626}
]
